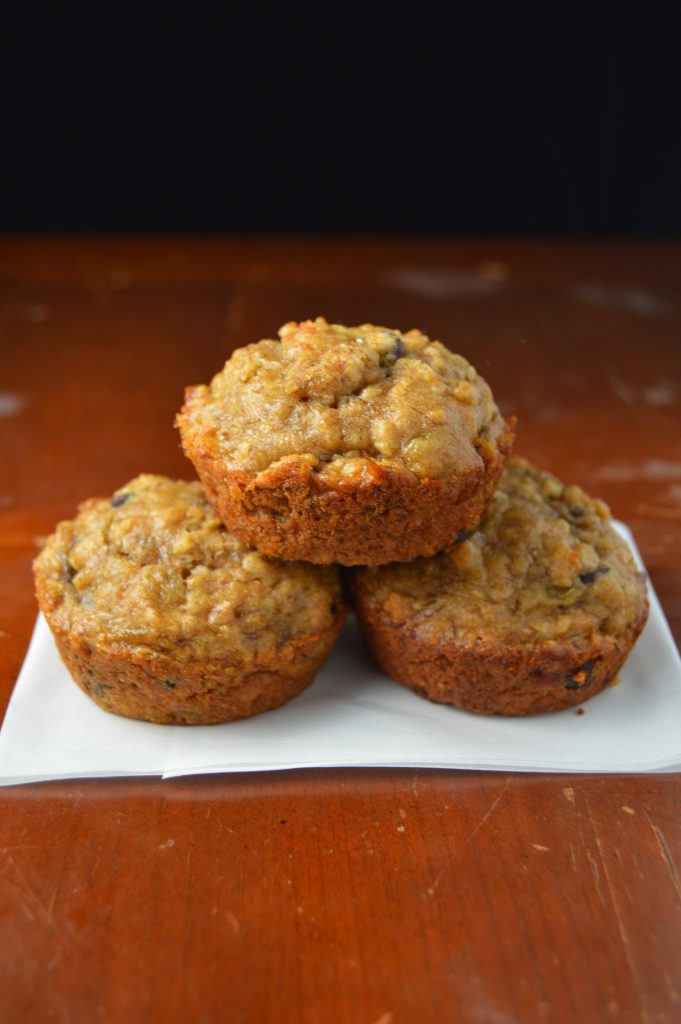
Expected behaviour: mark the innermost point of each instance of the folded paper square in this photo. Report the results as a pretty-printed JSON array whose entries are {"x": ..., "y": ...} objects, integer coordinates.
[{"x": 352, "y": 715}]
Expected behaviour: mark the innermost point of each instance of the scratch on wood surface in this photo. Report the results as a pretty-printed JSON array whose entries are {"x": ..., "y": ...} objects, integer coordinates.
[
  {"x": 666, "y": 855},
  {"x": 385, "y": 1018},
  {"x": 637, "y": 864},
  {"x": 604, "y": 826},
  {"x": 233, "y": 921},
  {"x": 32, "y": 905},
  {"x": 572, "y": 857},
  {"x": 624, "y": 938},
  {"x": 438, "y": 878},
  {"x": 24, "y": 905},
  {"x": 489, "y": 813},
  {"x": 569, "y": 794},
  {"x": 538, "y": 846},
  {"x": 628, "y": 810},
  {"x": 671, "y": 988},
  {"x": 486, "y": 816},
  {"x": 597, "y": 875},
  {"x": 53, "y": 962},
  {"x": 50, "y": 907}
]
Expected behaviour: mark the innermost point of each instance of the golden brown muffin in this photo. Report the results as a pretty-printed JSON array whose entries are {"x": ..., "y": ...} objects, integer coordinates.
[
  {"x": 356, "y": 445},
  {"x": 159, "y": 613},
  {"x": 535, "y": 611}
]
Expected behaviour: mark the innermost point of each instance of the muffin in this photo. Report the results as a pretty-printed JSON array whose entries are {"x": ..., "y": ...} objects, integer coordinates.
[
  {"x": 160, "y": 614},
  {"x": 536, "y": 611},
  {"x": 355, "y": 445}
]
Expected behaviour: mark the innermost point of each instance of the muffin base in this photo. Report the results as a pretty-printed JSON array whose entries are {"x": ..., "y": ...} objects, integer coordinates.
[
  {"x": 392, "y": 516},
  {"x": 164, "y": 690},
  {"x": 488, "y": 679}
]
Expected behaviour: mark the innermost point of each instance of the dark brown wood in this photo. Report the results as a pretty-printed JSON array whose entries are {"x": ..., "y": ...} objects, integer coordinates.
[{"x": 361, "y": 896}]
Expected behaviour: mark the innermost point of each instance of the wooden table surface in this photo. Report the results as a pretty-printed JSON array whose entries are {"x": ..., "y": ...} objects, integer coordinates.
[{"x": 363, "y": 896}]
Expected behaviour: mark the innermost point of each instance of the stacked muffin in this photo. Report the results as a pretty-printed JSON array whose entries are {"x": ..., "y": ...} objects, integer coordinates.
[{"x": 495, "y": 589}]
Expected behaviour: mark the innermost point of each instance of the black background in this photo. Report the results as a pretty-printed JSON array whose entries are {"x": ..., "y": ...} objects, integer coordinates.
[{"x": 267, "y": 118}]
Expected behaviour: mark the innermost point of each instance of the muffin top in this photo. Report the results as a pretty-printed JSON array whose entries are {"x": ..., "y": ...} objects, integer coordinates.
[
  {"x": 154, "y": 570},
  {"x": 341, "y": 397},
  {"x": 545, "y": 564}
]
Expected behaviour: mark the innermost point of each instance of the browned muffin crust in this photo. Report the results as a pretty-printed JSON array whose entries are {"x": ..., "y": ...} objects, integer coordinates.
[
  {"x": 357, "y": 445},
  {"x": 536, "y": 611},
  {"x": 160, "y": 614}
]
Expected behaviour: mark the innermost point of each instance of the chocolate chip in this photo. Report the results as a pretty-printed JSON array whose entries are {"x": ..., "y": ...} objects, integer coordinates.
[
  {"x": 589, "y": 577},
  {"x": 119, "y": 499},
  {"x": 395, "y": 352},
  {"x": 581, "y": 676},
  {"x": 462, "y": 535},
  {"x": 67, "y": 570},
  {"x": 170, "y": 683}
]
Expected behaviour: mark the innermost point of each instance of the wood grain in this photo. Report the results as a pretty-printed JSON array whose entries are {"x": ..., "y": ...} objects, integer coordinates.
[{"x": 362, "y": 896}]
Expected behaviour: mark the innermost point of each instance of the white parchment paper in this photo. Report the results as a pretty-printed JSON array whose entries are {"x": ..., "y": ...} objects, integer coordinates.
[{"x": 350, "y": 716}]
